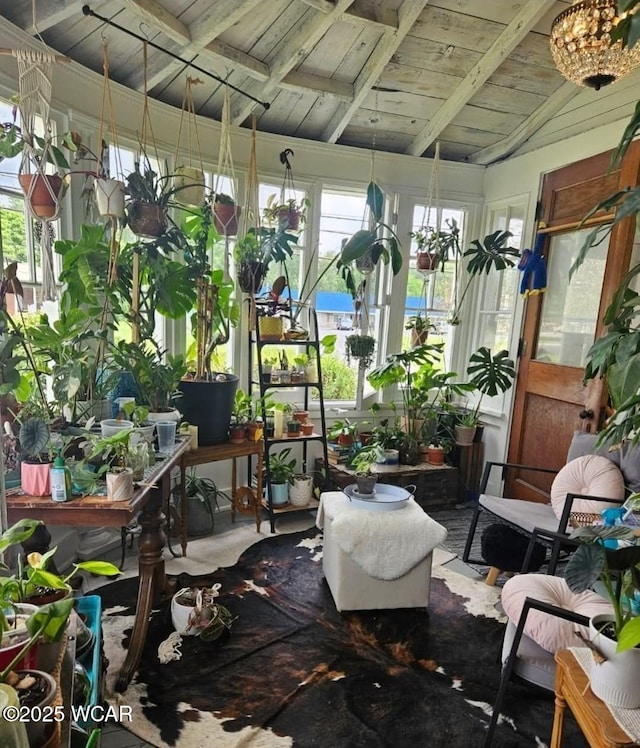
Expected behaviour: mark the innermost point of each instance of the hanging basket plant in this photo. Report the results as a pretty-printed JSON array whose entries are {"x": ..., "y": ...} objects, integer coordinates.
[
  {"x": 360, "y": 347},
  {"x": 226, "y": 214},
  {"x": 43, "y": 192}
]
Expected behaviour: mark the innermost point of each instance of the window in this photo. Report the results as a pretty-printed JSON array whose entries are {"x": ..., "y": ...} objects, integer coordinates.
[{"x": 431, "y": 293}]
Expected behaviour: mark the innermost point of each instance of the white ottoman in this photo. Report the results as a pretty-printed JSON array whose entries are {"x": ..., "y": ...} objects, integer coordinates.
[{"x": 373, "y": 560}]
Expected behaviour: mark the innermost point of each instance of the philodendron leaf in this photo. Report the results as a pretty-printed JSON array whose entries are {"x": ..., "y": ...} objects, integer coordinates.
[
  {"x": 21, "y": 530},
  {"x": 629, "y": 635},
  {"x": 375, "y": 200},
  {"x": 357, "y": 245},
  {"x": 584, "y": 567},
  {"x": 101, "y": 568}
]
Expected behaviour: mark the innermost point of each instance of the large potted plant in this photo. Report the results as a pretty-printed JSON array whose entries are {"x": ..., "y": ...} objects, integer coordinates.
[
  {"x": 604, "y": 555},
  {"x": 208, "y": 395}
]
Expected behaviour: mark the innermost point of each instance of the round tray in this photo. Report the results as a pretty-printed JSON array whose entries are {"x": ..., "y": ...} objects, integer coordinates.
[{"x": 386, "y": 498}]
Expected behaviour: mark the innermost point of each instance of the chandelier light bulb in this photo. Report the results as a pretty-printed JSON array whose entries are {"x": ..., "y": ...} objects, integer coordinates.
[{"x": 582, "y": 48}]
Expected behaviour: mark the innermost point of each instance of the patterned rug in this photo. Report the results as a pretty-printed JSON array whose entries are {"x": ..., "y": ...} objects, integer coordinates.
[{"x": 295, "y": 672}]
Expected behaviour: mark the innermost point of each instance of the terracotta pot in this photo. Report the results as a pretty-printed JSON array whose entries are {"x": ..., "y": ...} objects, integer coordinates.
[
  {"x": 237, "y": 434},
  {"x": 435, "y": 455},
  {"x": 419, "y": 338},
  {"x": 253, "y": 428},
  {"x": 307, "y": 429},
  {"x": 225, "y": 218},
  {"x": 289, "y": 220},
  {"x": 109, "y": 197},
  {"x": 426, "y": 261},
  {"x": 35, "y": 478},
  {"x": 300, "y": 415},
  {"x": 345, "y": 440},
  {"x": 147, "y": 219},
  {"x": 41, "y": 202}
]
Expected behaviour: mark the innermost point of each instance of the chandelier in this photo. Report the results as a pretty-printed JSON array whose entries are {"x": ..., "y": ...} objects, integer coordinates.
[{"x": 582, "y": 47}]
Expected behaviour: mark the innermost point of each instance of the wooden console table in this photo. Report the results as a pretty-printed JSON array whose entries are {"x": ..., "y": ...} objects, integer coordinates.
[
  {"x": 591, "y": 713},
  {"x": 243, "y": 499},
  {"x": 98, "y": 511}
]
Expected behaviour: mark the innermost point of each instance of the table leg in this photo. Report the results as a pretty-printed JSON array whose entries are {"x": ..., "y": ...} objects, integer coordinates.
[
  {"x": 557, "y": 733},
  {"x": 150, "y": 585},
  {"x": 184, "y": 508},
  {"x": 234, "y": 496}
]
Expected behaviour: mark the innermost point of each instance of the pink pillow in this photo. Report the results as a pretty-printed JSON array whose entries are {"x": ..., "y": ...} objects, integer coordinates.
[
  {"x": 592, "y": 475},
  {"x": 549, "y": 631}
]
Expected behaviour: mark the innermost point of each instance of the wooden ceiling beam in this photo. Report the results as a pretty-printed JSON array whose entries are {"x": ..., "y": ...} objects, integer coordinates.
[
  {"x": 194, "y": 40},
  {"x": 359, "y": 13},
  {"x": 526, "y": 129},
  {"x": 309, "y": 30},
  {"x": 524, "y": 20},
  {"x": 47, "y": 14},
  {"x": 372, "y": 70},
  {"x": 306, "y": 83}
]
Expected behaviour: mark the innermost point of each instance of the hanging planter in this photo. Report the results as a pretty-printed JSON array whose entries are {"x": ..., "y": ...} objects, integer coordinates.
[
  {"x": 360, "y": 347},
  {"x": 366, "y": 263},
  {"x": 226, "y": 215},
  {"x": 427, "y": 261},
  {"x": 109, "y": 197},
  {"x": 43, "y": 192},
  {"x": 189, "y": 185},
  {"x": 250, "y": 276},
  {"x": 147, "y": 219}
]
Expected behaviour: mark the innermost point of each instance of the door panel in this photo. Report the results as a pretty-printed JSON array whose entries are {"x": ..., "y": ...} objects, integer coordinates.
[{"x": 560, "y": 325}]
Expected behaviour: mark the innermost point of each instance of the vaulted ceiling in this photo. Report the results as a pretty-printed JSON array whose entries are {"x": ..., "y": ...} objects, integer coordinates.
[{"x": 398, "y": 75}]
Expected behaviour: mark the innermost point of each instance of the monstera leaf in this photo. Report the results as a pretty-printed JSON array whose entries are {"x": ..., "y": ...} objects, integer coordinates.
[{"x": 491, "y": 374}]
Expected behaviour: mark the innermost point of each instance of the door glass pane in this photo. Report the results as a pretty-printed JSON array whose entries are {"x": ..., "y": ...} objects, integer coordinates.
[{"x": 570, "y": 309}]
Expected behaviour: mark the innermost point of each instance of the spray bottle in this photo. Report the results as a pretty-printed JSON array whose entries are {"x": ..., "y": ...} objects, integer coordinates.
[{"x": 60, "y": 480}]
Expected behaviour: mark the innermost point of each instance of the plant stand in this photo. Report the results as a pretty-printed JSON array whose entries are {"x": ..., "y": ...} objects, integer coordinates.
[{"x": 243, "y": 498}]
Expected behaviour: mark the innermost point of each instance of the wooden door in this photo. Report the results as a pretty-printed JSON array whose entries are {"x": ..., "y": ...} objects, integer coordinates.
[{"x": 560, "y": 325}]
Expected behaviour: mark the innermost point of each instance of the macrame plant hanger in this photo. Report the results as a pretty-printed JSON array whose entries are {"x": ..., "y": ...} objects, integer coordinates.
[
  {"x": 251, "y": 215},
  {"x": 433, "y": 192},
  {"x": 34, "y": 80},
  {"x": 190, "y": 176},
  {"x": 146, "y": 131},
  {"x": 229, "y": 222}
]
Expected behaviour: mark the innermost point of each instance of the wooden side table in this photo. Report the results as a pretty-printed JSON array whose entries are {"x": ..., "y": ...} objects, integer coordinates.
[
  {"x": 591, "y": 713},
  {"x": 243, "y": 498}
]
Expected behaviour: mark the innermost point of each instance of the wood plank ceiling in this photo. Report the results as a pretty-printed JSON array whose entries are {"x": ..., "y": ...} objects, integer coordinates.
[{"x": 399, "y": 75}]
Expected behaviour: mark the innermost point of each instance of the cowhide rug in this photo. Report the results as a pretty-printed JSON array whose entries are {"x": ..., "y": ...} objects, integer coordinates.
[{"x": 295, "y": 672}]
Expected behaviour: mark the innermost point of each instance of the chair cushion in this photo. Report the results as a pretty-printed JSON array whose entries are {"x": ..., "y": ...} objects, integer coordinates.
[
  {"x": 524, "y": 514},
  {"x": 592, "y": 475},
  {"x": 548, "y": 631}
]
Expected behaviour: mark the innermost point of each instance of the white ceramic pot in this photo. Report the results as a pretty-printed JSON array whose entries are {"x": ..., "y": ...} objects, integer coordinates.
[
  {"x": 168, "y": 415},
  {"x": 616, "y": 681},
  {"x": 120, "y": 485},
  {"x": 190, "y": 184},
  {"x": 180, "y": 614},
  {"x": 110, "y": 197},
  {"x": 301, "y": 491},
  {"x": 465, "y": 435}
]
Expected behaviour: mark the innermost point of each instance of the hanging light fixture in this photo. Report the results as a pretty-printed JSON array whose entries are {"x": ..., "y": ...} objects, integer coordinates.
[{"x": 582, "y": 47}]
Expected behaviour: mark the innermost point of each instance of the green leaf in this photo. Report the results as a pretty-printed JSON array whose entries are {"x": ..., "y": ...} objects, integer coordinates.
[
  {"x": 357, "y": 245},
  {"x": 490, "y": 253},
  {"x": 375, "y": 200},
  {"x": 584, "y": 567},
  {"x": 629, "y": 635},
  {"x": 491, "y": 374},
  {"x": 101, "y": 568},
  {"x": 18, "y": 532}
]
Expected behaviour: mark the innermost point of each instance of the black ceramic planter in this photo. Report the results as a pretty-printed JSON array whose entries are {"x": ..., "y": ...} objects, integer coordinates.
[{"x": 208, "y": 405}]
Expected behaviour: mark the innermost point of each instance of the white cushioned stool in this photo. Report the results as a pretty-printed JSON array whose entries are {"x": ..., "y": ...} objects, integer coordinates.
[{"x": 375, "y": 560}]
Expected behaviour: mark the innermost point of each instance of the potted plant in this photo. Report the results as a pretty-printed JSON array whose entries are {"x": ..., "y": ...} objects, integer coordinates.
[
  {"x": 484, "y": 256},
  {"x": 202, "y": 496},
  {"x": 362, "y": 463},
  {"x": 294, "y": 427},
  {"x": 114, "y": 450},
  {"x": 195, "y": 612},
  {"x": 435, "y": 246},
  {"x": 208, "y": 395},
  {"x": 343, "y": 432},
  {"x": 189, "y": 181},
  {"x": 604, "y": 554},
  {"x": 465, "y": 427},
  {"x": 419, "y": 326},
  {"x": 281, "y": 471},
  {"x": 226, "y": 214},
  {"x": 36, "y": 463},
  {"x": 378, "y": 242},
  {"x": 288, "y": 215},
  {"x": 360, "y": 347},
  {"x": 43, "y": 191},
  {"x": 301, "y": 489}
]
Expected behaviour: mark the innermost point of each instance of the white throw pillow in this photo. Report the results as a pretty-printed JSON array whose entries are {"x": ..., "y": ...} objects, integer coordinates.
[{"x": 592, "y": 475}]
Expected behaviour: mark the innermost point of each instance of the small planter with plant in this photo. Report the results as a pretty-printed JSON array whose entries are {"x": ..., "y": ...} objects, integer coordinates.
[
  {"x": 114, "y": 452},
  {"x": 195, "y": 612},
  {"x": 420, "y": 326},
  {"x": 288, "y": 215},
  {"x": 435, "y": 247},
  {"x": 343, "y": 432},
  {"x": 202, "y": 497},
  {"x": 361, "y": 348},
  {"x": 301, "y": 489},
  {"x": 608, "y": 554},
  {"x": 35, "y": 448},
  {"x": 362, "y": 463},
  {"x": 281, "y": 471}
]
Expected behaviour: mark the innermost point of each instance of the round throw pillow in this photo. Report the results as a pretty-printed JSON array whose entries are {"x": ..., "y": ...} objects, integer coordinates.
[
  {"x": 592, "y": 475},
  {"x": 549, "y": 631}
]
